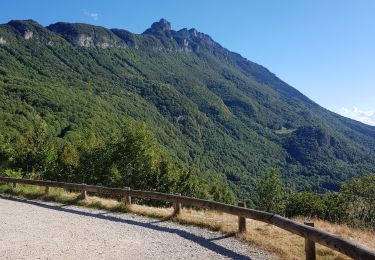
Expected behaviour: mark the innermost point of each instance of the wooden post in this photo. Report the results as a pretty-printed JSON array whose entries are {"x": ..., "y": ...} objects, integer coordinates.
[
  {"x": 241, "y": 220},
  {"x": 83, "y": 193},
  {"x": 46, "y": 191},
  {"x": 310, "y": 245},
  {"x": 177, "y": 206},
  {"x": 127, "y": 198}
]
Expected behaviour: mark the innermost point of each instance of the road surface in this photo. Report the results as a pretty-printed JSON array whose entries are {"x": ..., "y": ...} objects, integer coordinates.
[{"x": 39, "y": 230}]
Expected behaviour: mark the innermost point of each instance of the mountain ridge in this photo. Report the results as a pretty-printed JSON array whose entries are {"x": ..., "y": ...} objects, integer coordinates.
[{"x": 153, "y": 31}]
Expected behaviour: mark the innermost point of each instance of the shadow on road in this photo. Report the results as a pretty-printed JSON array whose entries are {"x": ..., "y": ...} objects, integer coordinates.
[{"x": 207, "y": 243}]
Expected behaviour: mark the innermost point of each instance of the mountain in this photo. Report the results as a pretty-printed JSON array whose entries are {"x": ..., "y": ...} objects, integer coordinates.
[{"x": 212, "y": 110}]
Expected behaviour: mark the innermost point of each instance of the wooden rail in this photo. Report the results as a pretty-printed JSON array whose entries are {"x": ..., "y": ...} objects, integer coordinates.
[{"x": 312, "y": 235}]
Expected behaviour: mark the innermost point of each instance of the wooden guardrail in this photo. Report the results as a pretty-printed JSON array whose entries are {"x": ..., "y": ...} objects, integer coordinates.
[{"x": 312, "y": 235}]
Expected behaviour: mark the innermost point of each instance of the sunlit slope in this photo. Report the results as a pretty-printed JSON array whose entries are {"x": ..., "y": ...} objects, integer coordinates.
[{"x": 212, "y": 110}]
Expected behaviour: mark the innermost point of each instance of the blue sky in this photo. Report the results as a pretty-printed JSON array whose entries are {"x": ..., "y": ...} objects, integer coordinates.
[{"x": 324, "y": 48}]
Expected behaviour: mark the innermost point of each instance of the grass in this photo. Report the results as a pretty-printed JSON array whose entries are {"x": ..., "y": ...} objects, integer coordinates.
[
  {"x": 282, "y": 243},
  {"x": 62, "y": 196}
]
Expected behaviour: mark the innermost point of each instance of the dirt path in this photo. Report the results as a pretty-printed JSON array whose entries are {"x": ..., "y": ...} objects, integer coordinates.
[{"x": 39, "y": 230}]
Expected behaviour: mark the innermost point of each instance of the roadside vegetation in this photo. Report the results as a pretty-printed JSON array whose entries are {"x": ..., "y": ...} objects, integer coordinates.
[
  {"x": 298, "y": 206},
  {"x": 352, "y": 205},
  {"x": 131, "y": 157}
]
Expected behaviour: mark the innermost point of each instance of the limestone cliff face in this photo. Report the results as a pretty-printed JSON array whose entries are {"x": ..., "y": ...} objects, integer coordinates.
[
  {"x": 27, "y": 30},
  {"x": 84, "y": 35},
  {"x": 158, "y": 37},
  {"x": 28, "y": 35}
]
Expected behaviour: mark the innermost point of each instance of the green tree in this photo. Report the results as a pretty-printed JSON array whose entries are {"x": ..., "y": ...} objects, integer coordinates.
[
  {"x": 220, "y": 191},
  {"x": 35, "y": 150},
  {"x": 189, "y": 184},
  {"x": 134, "y": 158},
  {"x": 67, "y": 164},
  {"x": 358, "y": 196},
  {"x": 305, "y": 204},
  {"x": 335, "y": 207},
  {"x": 270, "y": 194}
]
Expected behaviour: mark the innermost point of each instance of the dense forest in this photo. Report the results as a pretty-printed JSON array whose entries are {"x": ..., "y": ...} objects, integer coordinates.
[{"x": 164, "y": 110}]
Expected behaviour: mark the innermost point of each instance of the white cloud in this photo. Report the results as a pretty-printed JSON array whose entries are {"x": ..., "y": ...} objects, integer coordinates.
[
  {"x": 92, "y": 15},
  {"x": 367, "y": 117}
]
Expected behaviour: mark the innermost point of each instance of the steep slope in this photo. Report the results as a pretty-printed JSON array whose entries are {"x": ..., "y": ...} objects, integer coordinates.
[{"x": 213, "y": 110}]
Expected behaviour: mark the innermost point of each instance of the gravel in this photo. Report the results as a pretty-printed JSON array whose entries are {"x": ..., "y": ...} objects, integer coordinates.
[{"x": 39, "y": 230}]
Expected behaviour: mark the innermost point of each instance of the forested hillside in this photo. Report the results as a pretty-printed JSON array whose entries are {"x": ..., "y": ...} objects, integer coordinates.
[{"x": 161, "y": 110}]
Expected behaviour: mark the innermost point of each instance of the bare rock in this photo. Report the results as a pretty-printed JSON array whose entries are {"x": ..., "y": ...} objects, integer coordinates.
[
  {"x": 2, "y": 41},
  {"x": 28, "y": 35}
]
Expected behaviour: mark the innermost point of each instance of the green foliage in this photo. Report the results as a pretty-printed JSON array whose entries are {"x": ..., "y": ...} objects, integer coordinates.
[
  {"x": 305, "y": 204},
  {"x": 270, "y": 194},
  {"x": 220, "y": 191},
  {"x": 353, "y": 205},
  {"x": 358, "y": 201},
  {"x": 132, "y": 158},
  {"x": 12, "y": 173}
]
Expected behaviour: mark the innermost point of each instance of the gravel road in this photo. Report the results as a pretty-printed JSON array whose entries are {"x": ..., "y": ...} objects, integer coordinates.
[{"x": 39, "y": 230}]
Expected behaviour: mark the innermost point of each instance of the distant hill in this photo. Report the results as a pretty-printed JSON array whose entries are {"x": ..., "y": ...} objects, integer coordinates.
[{"x": 211, "y": 109}]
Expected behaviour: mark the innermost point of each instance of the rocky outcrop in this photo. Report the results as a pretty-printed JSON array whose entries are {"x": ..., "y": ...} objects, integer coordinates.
[
  {"x": 32, "y": 31},
  {"x": 24, "y": 28},
  {"x": 2, "y": 41},
  {"x": 162, "y": 25},
  {"x": 182, "y": 40},
  {"x": 84, "y": 41},
  {"x": 160, "y": 36},
  {"x": 28, "y": 35},
  {"x": 85, "y": 35}
]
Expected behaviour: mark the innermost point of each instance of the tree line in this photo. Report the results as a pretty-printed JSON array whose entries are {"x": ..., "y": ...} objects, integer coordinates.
[
  {"x": 131, "y": 158},
  {"x": 353, "y": 204}
]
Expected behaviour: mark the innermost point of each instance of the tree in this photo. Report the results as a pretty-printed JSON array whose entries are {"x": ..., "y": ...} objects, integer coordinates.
[
  {"x": 134, "y": 158},
  {"x": 220, "y": 191},
  {"x": 270, "y": 194},
  {"x": 358, "y": 196},
  {"x": 189, "y": 184},
  {"x": 68, "y": 162},
  {"x": 35, "y": 149},
  {"x": 308, "y": 204}
]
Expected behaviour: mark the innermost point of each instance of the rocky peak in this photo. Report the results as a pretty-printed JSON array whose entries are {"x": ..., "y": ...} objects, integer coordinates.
[
  {"x": 182, "y": 40},
  {"x": 162, "y": 25},
  {"x": 159, "y": 28}
]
